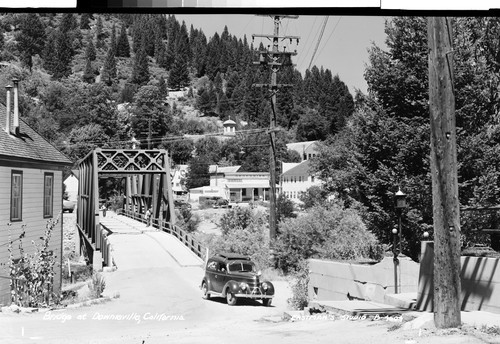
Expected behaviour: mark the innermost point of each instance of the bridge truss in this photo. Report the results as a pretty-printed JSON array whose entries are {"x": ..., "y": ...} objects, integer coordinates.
[{"x": 147, "y": 184}]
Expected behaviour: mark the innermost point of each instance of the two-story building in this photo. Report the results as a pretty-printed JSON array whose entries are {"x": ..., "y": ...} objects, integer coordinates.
[
  {"x": 296, "y": 179},
  {"x": 306, "y": 149},
  {"x": 31, "y": 179}
]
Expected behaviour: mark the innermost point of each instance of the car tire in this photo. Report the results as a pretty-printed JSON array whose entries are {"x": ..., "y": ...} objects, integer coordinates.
[
  {"x": 71, "y": 210},
  {"x": 267, "y": 302},
  {"x": 206, "y": 294},
  {"x": 231, "y": 299}
]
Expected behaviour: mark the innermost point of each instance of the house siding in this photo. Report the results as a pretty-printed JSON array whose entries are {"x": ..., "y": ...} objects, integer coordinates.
[{"x": 32, "y": 219}]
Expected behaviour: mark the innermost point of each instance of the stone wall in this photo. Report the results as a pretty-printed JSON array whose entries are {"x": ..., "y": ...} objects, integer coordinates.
[
  {"x": 480, "y": 278},
  {"x": 342, "y": 281}
]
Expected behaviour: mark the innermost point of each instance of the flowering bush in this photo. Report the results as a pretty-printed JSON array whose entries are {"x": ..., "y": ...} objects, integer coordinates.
[{"x": 32, "y": 275}]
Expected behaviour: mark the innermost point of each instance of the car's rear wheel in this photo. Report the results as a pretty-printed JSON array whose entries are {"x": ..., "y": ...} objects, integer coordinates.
[
  {"x": 267, "y": 302},
  {"x": 204, "y": 289},
  {"x": 231, "y": 299}
]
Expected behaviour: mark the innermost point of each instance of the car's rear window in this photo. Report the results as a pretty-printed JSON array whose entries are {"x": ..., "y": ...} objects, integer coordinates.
[{"x": 239, "y": 266}]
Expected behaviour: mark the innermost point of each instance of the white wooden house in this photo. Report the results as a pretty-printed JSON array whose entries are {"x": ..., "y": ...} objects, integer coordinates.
[{"x": 31, "y": 172}]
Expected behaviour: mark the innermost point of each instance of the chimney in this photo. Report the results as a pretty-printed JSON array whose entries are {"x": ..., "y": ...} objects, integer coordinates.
[
  {"x": 7, "y": 115},
  {"x": 15, "y": 123}
]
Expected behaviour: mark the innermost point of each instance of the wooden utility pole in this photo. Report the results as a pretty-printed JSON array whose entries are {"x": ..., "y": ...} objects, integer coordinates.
[
  {"x": 274, "y": 87},
  {"x": 445, "y": 201}
]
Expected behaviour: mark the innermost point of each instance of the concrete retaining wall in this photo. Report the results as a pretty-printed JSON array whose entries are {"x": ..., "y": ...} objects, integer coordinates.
[
  {"x": 341, "y": 281},
  {"x": 480, "y": 278}
]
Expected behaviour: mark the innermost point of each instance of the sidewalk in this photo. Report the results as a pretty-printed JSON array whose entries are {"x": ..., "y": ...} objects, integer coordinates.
[{"x": 354, "y": 308}]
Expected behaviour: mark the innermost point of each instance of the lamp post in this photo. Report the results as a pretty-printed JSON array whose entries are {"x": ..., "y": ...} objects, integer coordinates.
[{"x": 400, "y": 204}]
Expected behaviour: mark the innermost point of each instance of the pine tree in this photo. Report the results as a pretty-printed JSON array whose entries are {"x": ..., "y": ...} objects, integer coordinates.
[
  {"x": 68, "y": 23},
  {"x": 50, "y": 52},
  {"x": 2, "y": 41},
  {"x": 140, "y": 71},
  {"x": 179, "y": 76},
  {"x": 113, "y": 39},
  {"x": 88, "y": 74},
  {"x": 109, "y": 69},
  {"x": 64, "y": 56},
  {"x": 31, "y": 38},
  {"x": 99, "y": 34},
  {"x": 162, "y": 86},
  {"x": 85, "y": 21},
  {"x": 90, "y": 52},
  {"x": 123, "y": 47}
]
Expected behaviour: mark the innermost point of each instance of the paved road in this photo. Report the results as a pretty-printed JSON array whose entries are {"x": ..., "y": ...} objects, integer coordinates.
[{"x": 160, "y": 302}]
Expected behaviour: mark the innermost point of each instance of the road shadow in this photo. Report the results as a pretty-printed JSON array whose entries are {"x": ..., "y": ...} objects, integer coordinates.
[{"x": 240, "y": 302}]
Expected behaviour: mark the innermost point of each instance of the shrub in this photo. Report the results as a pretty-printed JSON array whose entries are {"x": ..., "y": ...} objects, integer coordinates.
[
  {"x": 244, "y": 232},
  {"x": 97, "y": 285},
  {"x": 331, "y": 232},
  {"x": 116, "y": 202},
  {"x": 237, "y": 217},
  {"x": 187, "y": 220},
  {"x": 32, "y": 276},
  {"x": 299, "y": 285},
  {"x": 284, "y": 208}
]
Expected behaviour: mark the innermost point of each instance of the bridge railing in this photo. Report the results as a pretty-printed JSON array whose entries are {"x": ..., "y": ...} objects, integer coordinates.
[{"x": 183, "y": 236}]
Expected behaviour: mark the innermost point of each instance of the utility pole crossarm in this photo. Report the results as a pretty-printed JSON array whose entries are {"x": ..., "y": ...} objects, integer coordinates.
[
  {"x": 272, "y": 86},
  {"x": 297, "y": 38},
  {"x": 289, "y": 16}
]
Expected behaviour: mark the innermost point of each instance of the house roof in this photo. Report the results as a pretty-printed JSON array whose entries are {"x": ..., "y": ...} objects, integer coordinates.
[
  {"x": 300, "y": 145},
  {"x": 301, "y": 169},
  {"x": 28, "y": 144},
  {"x": 226, "y": 169}
]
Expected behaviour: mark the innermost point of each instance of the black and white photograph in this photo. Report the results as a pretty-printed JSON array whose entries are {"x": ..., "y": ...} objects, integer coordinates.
[{"x": 273, "y": 175}]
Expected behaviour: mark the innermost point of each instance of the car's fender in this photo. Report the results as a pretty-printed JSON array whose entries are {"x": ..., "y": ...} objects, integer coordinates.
[
  {"x": 207, "y": 281},
  {"x": 231, "y": 285},
  {"x": 270, "y": 288}
]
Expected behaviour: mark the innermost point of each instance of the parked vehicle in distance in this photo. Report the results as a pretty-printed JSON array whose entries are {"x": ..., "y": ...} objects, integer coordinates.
[
  {"x": 180, "y": 203},
  {"x": 68, "y": 206},
  {"x": 234, "y": 277}
]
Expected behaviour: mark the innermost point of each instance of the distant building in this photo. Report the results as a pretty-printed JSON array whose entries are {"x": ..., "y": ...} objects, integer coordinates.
[
  {"x": 71, "y": 185},
  {"x": 228, "y": 183},
  {"x": 228, "y": 132},
  {"x": 31, "y": 179},
  {"x": 306, "y": 149},
  {"x": 296, "y": 179},
  {"x": 179, "y": 174}
]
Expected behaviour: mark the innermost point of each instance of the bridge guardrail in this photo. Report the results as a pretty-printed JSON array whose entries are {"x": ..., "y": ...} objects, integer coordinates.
[{"x": 184, "y": 237}]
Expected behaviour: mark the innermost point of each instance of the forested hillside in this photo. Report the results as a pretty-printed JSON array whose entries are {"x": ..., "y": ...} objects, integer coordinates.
[{"x": 96, "y": 80}]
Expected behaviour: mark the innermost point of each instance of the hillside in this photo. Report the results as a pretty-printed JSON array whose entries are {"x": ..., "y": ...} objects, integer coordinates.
[{"x": 96, "y": 80}]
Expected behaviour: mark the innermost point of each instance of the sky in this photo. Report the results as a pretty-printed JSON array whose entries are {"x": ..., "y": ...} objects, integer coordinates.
[{"x": 343, "y": 48}]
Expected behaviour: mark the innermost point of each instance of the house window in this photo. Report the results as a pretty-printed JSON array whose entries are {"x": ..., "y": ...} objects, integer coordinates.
[
  {"x": 48, "y": 194},
  {"x": 16, "y": 196}
]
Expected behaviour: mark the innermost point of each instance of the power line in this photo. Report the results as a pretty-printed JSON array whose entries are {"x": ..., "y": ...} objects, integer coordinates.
[
  {"x": 331, "y": 34},
  {"x": 319, "y": 40},
  {"x": 306, "y": 47}
]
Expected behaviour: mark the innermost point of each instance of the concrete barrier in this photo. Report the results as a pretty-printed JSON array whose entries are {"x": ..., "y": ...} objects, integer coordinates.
[
  {"x": 480, "y": 278},
  {"x": 337, "y": 281}
]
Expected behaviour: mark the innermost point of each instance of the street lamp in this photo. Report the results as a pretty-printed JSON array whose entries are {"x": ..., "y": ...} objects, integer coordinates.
[{"x": 400, "y": 204}]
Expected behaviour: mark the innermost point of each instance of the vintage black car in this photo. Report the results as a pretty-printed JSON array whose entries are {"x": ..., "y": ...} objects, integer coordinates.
[{"x": 235, "y": 276}]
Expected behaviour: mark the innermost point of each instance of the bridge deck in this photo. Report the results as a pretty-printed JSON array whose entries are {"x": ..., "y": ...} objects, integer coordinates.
[{"x": 134, "y": 245}]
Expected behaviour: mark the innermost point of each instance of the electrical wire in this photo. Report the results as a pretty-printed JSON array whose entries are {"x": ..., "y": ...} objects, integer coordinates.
[
  {"x": 306, "y": 48},
  {"x": 319, "y": 40},
  {"x": 168, "y": 139},
  {"x": 331, "y": 34}
]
